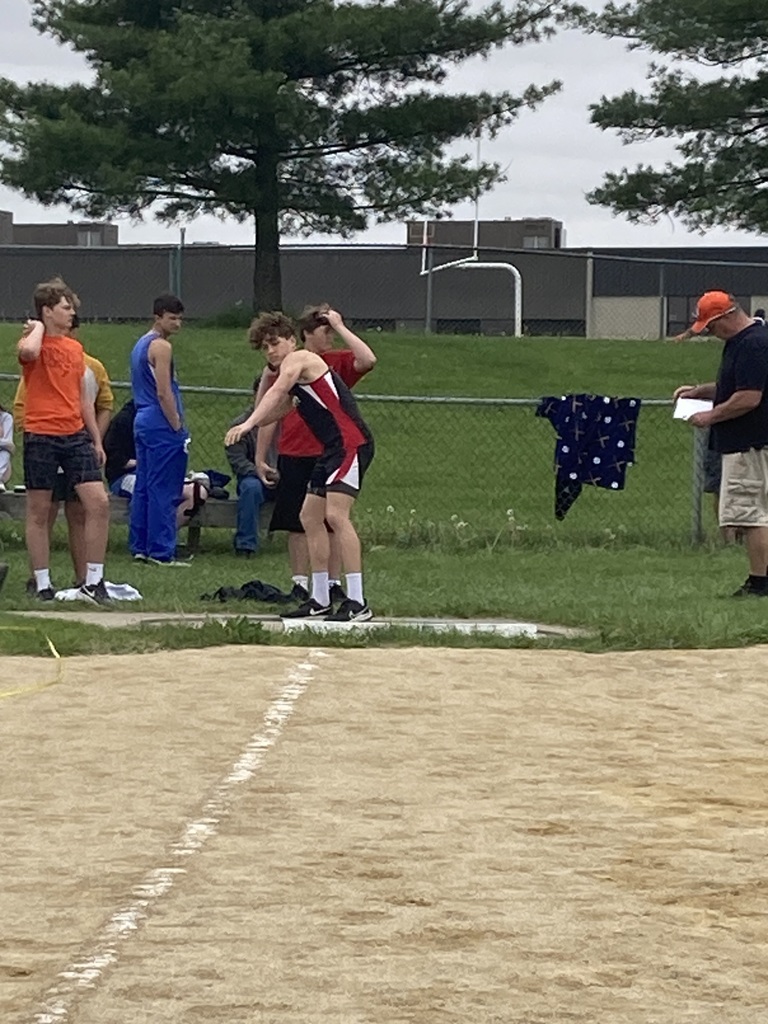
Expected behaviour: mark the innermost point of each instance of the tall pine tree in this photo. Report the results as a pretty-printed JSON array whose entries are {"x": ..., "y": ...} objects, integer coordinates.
[
  {"x": 296, "y": 115},
  {"x": 721, "y": 121}
]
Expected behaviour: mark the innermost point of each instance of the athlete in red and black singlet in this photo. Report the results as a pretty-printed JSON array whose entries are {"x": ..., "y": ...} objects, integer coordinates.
[
  {"x": 329, "y": 410},
  {"x": 327, "y": 407}
]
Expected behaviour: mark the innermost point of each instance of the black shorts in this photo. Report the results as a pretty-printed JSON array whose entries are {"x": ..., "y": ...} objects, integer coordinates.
[
  {"x": 341, "y": 470},
  {"x": 45, "y": 454},
  {"x": 62, "y": 491},
  {"x": 295, "y": 474}
]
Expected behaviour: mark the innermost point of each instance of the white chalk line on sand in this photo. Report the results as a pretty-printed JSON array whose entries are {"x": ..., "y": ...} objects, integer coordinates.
[{"x": 104, "y": 952}]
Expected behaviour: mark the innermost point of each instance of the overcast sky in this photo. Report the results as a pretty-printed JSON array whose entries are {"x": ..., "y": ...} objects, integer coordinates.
[{"x": 552, "y": 156}]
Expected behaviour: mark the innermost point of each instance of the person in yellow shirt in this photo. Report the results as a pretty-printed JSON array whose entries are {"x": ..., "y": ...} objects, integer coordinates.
[{"x": 100, "y": 390}]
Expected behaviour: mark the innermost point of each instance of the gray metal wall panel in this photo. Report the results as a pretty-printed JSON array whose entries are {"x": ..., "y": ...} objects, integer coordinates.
[
  {"x": 618, "y": 278},
  {"x": 115, "y": 284},
  {"x": 216, "y": 278},
  {"x": 365, "y": 283}
]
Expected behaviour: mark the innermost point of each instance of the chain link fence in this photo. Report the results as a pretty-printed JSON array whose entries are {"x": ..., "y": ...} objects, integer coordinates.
[{"x": 467, "y": 473}]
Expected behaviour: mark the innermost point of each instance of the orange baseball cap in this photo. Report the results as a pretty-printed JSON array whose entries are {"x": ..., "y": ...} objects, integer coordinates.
[{"x": 710, "y": 306}]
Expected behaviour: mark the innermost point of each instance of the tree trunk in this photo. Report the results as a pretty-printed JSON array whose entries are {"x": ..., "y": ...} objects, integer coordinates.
[{"x": 267, "y": 280}]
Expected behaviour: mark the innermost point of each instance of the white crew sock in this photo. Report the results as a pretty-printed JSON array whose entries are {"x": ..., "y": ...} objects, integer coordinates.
[
  {"x": 94, "y": 572},
  {"x": 320, "y": 588},
  {"x": 42, "y": 579},
  {"x": 355, "y": 587}
]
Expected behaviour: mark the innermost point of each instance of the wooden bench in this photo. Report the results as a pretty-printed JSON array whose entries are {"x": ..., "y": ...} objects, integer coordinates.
[{"x": 215, "y": 513}]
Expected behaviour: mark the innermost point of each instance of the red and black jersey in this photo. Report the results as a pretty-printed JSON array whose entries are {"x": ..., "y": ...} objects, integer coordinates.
[
  {"x": 295, "y": 436},
  {"x": 327, "y": 407}
]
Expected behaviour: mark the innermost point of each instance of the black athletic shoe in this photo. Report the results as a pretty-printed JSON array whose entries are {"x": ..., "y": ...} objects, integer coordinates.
[
  {"x": 3, "y": 573},
  {"x": 351, "y": 611},
  {"x": 48, "y": 594},
  {"x": 309, "y": 610},
  {"x": 753, "y": 586},
  {"x": 337, "y": 595},
  {"x": 95, "y": 593},
  {"x": 299, "y": 593}
]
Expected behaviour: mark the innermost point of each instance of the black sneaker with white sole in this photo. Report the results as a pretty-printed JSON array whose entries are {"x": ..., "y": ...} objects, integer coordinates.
[
  {"x": 311, "y": 609},
  {"x": 336, "y": 594},
  {"x": 46, "y": 594},
  {"x": 95, "y": 593},
  {"x": 299, "y": 593},
  {"x": 351, "y": 611}
]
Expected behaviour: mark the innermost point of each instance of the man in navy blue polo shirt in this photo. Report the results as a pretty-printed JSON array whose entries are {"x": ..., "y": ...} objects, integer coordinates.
[{"x": 739, "y": 426}]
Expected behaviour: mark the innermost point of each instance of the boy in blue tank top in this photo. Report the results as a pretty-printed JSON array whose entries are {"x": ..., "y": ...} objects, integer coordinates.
[{"x": 161, "y": 438}]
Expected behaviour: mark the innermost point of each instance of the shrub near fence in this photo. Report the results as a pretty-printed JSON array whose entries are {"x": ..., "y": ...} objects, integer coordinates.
[{"x": 470, "y": 472}]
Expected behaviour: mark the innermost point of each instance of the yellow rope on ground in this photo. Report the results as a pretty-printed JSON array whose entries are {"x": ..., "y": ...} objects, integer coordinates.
[{"x": 35, "y": 686}]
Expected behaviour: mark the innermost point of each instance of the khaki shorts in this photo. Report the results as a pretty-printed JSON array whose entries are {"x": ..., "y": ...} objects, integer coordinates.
[{"x": 744, "y": 489}]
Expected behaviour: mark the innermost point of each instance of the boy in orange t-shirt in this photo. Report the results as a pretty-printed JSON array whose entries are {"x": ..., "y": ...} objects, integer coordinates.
[
  {"x": 60, "y": 432},
  {"x": 100, "y": 391}
]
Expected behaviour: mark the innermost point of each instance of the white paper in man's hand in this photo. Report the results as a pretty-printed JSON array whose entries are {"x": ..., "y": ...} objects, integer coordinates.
[{"x": 686, "y": 407}]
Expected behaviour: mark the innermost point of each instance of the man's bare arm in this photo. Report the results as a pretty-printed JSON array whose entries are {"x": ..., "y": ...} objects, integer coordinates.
[
  {"x": 280, "y": 404},
  {"x": 268, "y": 378},
  {"x": 160, "y": 355},
  {"x": 103, "y": 419},
  {"x": 365, "y": 358},
  {"x": 738, "y": 404},
  {"x": 31, "y": 341},
  {"x": 276, "y": 403},
  {"x": 702, "y": 391},
  {"x": 264, "y": 441},
  {"x": 89, "y": 418}
]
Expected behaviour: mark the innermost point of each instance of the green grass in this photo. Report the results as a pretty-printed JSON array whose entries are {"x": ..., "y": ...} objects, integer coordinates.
[
  {"x": 458, "y": 463},
  {"x": 456, "y": 514},
  {"x": 430, "y": 365},
  {"x": 627, "y": 598}
]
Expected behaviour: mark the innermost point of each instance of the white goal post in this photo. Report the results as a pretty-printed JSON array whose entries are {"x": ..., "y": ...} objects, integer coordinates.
[{"x": 474, "y": 263}]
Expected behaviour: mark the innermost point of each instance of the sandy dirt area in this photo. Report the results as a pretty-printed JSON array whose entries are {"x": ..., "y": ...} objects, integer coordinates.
[{"x": 293, "y": 836}]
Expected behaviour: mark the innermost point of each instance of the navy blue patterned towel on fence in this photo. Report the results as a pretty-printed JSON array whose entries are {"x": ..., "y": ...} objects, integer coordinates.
[{"x": 595, "y": 443}]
